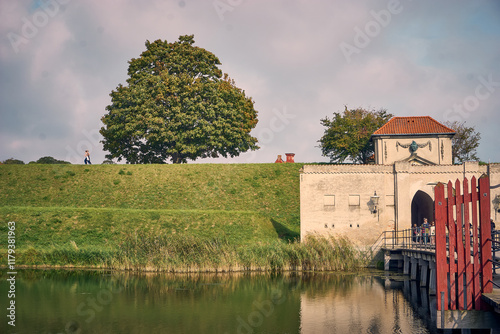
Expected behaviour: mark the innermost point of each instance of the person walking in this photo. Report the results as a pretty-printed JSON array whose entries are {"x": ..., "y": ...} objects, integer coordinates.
[
  {"x": 433, "y": 233},
  {"x": 87, "y": 157},
  {"x": 425, "y": 231},
  {"x": 419, "y": 234}
]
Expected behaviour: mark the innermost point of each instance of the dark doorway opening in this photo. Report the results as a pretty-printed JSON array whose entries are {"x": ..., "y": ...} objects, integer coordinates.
[{"x": 422, "y": 206}]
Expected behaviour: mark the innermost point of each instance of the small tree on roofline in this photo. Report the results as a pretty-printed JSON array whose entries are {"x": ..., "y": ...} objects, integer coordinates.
[
  {"x": 347, "y": 135},
  {"x": 465, "y": 142}
]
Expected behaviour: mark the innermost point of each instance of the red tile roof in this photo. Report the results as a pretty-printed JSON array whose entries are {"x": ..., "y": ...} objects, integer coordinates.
[{"x": 413, "y": 125}]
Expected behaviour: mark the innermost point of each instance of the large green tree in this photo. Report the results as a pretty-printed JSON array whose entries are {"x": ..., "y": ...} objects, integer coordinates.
[
  {"x": 347, "y": 135},
  {"x": 464, "y": 143},
  {"x": 177, "y": 104}
]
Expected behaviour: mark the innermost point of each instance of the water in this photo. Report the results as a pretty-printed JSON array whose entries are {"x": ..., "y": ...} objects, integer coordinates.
[{"x": 66, "y": 301}]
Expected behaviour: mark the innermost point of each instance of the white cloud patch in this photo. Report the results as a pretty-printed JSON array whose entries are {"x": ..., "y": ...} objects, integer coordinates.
[{"x": 426, "y": 59}]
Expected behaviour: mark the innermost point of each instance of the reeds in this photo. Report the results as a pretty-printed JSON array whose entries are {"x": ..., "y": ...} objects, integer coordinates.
[
  {"x": 181, "y": 254},
  {"x": 175, "y": 253},
  {"x": 67, "y": 255}
]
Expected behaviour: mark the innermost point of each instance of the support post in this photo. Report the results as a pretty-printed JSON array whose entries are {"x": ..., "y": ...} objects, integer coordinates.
[
  {"x": 424, "y": 266},
  {"x": 387, "y": 260},
  {"x": 484, "y": 221},
  {"x": 406, "y": 266},
  {"x": 440, "y": 207},
  {"x": 414, "y": 263},
  {"x": 432, "y": 278}
]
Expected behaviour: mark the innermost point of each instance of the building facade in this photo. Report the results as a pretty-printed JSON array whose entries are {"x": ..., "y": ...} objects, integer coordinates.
[
  {"x": 418, "y": 140},
  {"x": 412, "y": 154}
]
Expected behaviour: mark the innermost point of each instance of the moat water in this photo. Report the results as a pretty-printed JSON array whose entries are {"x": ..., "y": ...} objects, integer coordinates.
[{"x": 70, "y": 301}]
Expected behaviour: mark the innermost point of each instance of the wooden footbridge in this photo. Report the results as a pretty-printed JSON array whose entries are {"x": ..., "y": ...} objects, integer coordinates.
[{"x": 457, "y": 264}]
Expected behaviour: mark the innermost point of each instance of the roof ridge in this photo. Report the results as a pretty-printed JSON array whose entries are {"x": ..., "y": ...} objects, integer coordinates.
[{"x": 413, "y": 125}]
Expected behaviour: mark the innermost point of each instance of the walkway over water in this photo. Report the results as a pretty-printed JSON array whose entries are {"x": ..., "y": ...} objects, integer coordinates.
[{"x": 416, "y": 257}]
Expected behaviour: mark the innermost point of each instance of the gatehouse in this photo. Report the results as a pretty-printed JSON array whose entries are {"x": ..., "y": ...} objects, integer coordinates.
[{"x": 396, "y": 192}]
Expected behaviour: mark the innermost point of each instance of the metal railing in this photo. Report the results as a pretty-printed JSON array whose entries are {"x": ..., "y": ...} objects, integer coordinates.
[
  {"x": 407, "y": 239},
  {"x": 495, "y": 248},
  {"x": 496, "y": 285}
]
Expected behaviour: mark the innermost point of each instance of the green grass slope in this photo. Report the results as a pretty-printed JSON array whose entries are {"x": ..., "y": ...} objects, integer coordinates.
[{"x": 82, "y": 206}]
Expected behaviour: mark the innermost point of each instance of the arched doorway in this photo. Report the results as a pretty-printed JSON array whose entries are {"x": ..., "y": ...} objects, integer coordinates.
[{"x": 422, "y": 206}]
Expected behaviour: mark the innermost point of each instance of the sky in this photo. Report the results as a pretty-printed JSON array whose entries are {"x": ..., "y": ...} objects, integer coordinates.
[{"x": 300, "y": 61}]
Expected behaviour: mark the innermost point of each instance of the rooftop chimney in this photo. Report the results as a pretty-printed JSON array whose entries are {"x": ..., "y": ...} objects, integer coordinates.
[{"x": 289, "y": 157}]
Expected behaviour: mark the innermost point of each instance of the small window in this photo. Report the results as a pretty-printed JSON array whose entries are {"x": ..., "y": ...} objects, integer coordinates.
[
  {"x": 389, "y": 200},
  {"x": 354, "y": 200},
  {"x": 329, "y": 201}
]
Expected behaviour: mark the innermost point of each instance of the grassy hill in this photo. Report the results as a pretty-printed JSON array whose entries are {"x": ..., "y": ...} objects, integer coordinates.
[
  {"x": 96, "y": 204},
  {"x": 172, "y": 217}
]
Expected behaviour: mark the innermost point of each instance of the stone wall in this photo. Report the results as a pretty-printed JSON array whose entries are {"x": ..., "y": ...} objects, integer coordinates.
[{"x": 336, "y": 199}]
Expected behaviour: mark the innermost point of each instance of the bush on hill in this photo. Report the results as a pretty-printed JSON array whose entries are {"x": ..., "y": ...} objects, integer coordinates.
[
  {"x": 13, "y": 161},
  {"x": 50, "y": 161}
]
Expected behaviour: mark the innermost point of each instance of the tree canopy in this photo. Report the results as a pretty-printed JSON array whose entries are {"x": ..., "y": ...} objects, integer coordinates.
[
  {"x": 50, "y": 161},
  {"x": 177, "y": 105},
  {"x": 12, "y": 161},
  {"x": 464, "y": 143},
  {"x": 347, "y": 135}
]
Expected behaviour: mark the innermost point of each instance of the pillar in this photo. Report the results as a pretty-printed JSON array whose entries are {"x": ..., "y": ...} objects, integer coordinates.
[
  {"x": 387, "y": 260},
  {"x": 414, "y": 263},
  {"x": 432, "y": 278},
  {"x": 406, "y": 265},
  {"x": 424, "y": 266}
]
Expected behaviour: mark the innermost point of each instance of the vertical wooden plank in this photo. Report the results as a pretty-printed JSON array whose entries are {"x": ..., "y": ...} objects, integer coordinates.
[
  {"x": 459, "y": 246},
  {"x": 452, "y": 231},
  {"x": 467, "y": 251},
  {"x": 485, "y": 229},
  {"x": 440, "y": 237},
  {"x": 475, "y": 245}
]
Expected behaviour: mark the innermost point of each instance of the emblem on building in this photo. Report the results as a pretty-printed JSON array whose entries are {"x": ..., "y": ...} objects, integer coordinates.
[{"x": 414, "y": 146}]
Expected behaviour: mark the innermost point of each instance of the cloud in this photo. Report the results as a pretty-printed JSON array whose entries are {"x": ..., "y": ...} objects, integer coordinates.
[{"x": 424, "y": 60}]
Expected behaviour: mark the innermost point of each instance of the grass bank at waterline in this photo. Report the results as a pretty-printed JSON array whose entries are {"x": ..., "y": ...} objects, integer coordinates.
[
  {"x": 156, "y": 217},
  {"x": 144, "y": 252}
]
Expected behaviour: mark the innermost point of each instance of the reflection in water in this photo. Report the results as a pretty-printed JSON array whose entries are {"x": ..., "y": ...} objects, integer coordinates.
[
  {"x": 103, "y": 302},
  {"x": 51, "y": 301},
  {"x": 358, "y": 304}
]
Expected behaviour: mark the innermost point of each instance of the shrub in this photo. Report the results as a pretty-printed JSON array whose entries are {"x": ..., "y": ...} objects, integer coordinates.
[
  {"x": 51, "y": 161},
  {"x": 13, "y": 161}
]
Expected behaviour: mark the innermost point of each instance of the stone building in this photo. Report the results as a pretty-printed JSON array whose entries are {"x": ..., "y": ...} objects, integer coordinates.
[
  {"x": 412, "y": 154},
  {"x": 427, "y": 141}
]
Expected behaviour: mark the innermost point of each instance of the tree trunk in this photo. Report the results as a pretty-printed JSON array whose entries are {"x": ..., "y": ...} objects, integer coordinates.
[{"x": 178, "y": 158}]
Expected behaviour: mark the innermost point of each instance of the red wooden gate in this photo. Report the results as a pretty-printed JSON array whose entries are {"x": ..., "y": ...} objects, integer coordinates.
[{"x": 463, "y": 244}]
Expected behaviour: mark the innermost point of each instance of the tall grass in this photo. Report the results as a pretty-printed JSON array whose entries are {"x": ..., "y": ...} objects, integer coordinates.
[
  {"x": 173, "y": 254},
  {"x": 67, "y": 256},
  {"x": 140, "y": 251}
]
